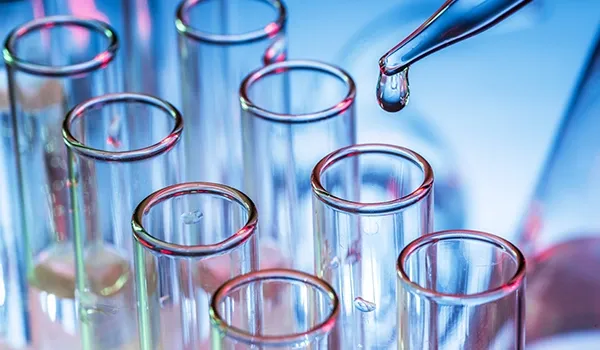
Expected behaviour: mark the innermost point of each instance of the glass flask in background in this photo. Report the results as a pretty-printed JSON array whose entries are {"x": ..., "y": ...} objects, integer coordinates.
[
  {"x": 411, "y": 128},
  {"x": 560, "y": 233}
]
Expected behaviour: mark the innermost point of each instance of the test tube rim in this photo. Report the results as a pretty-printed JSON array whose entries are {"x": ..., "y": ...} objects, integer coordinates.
[
  {"x": 516, "y": 282},
  {"x": 318, "y": 331},
  {"x": 238, "y": 238},
  {"x": 375, "y": 208},
  {"x": 290, "y": 65},
  {"x": 162, "y": 146},
  {"x": 268, "y": 31},
  {"x": 100, "y": 60}
]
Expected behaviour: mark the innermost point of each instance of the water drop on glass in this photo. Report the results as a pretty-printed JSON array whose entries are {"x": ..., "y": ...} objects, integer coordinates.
[
  {"x": 393, "y": 91},
  {"x": 191, "y": 217},
  {"x": 363, "y": 305},
  {"x": 334, "y": 263}
]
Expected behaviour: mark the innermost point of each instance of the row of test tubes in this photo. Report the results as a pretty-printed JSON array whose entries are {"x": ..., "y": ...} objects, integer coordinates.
[{"x": 250, "y": 219}]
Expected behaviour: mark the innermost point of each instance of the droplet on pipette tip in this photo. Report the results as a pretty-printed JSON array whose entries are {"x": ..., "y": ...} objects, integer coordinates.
[
  {"x": 364, "y": 305},
  {"x": 393, "y": 91},
  {"x": 191, "y": 217}
]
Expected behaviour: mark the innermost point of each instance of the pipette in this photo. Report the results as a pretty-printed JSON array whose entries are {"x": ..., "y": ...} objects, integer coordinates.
[{"x": 454, "y": 21}]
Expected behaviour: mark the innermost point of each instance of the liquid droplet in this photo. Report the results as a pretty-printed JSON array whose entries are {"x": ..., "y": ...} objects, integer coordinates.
[
  {"x": 192, "y": 217},
  {"x": 370, "y": 226},
  {"x": 393, "y": 91},
  {"x": 364, "y": 305},
  {"x": 334, "y": 263}
]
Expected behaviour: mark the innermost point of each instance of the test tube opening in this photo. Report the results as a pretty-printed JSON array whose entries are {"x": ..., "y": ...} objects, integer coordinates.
[
  {"x": 193, "y": 208},
  {"x": 489, "y": 267},
  {"x": 98, "y": 128},
  {"x": 38, "y": 47},
  {"x": 210, "y": 21},
  {"x": 273, "y": 285},
  {"x": 387, "y": 178},
  {"x": 330, "y": 90}
]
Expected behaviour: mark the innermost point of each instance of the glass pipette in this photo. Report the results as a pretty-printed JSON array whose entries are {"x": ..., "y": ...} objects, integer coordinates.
[{"x": 454, "y": 21}]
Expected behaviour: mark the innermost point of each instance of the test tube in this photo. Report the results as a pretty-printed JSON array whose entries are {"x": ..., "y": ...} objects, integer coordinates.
[
  {"x": 116, "y": 157},
  {"x": 53, "y": 63},
  {"x": 12, "y": 281},
  {"x": 461, "y": 290},
  {"x": 148, "y": 40},
  {"x": 369, "y": 202},
  {"x": 309, "y": 329},
  {"x": 220, "y": 42},
  {"x": 293, "y": 113},
  {"x": 181, "y": 259}
]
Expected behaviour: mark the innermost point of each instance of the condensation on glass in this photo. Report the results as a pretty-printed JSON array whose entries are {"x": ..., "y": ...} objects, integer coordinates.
[
  {"x": 293, "y": 114},
  {"x": 53, "y": 63},
  {"x": 461, "y": 290},
  {"x": 183, "y": 253},
  {"x": 369, "y": 202},
  {"x": 271, "y": 323},
  {"x": 117, "y": 156},
  {"x": 220, "y": 42}
]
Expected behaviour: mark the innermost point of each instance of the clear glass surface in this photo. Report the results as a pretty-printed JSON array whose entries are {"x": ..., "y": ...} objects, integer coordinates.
[
  {"x": 148, "y": 37},
  {"x": 182, "y": 257},
  {"x": 560, "y": 233},
  {"x": 112, "y": 140},
  {"x": 219, "y": 44},
  {"x": 251, "y": 311},
  {"x": 293, "y": 114},
  {"x": 461, "y": 290},
  {"x": 12, "y": 270},
  {"x": 53, "y": 63},
  {"x": 369, "y": 202}
]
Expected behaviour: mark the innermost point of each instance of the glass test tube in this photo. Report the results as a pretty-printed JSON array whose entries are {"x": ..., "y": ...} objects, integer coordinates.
[
  {"x": 117, "y": 156},
  {"x": 220, "y": 42},
  {"x": 309, "y": 329},
  {"x": 293, "y": 114},
  {"x": 148, "y": 40},
  {"x": 456, "y": 289},
  {"x": 181, "y": 259},
  {"x": 12, "y": 269},
  {"x": 369, "y": 202},
  {"x": 50, "y": 69}
]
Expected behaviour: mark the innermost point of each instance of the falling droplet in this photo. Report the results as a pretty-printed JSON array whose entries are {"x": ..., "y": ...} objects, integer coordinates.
[
  {"x": 192, "y": 217},
  {"x": 364, "y": 305},
  {"x": 393, "y": 91}
]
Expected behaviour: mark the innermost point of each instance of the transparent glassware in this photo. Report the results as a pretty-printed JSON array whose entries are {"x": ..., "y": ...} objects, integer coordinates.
[
  {"x": 369, "y": 202},
  {"x": 112, "y": 140},
  {"x": 461, "y": 290},
  {"x": 12, "y": 281},
  {"x": 219, "y": 44},
  {"x": 293, "y": 114},
  {"x": 148, "y": 39},
  {"x": 560, "y": 232},
  {"x": 416, "y": 127},
  {"x": 182, "y": 257},
  {"x": 273, "y": 324},
  {"x": 53, "y": 63}
]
